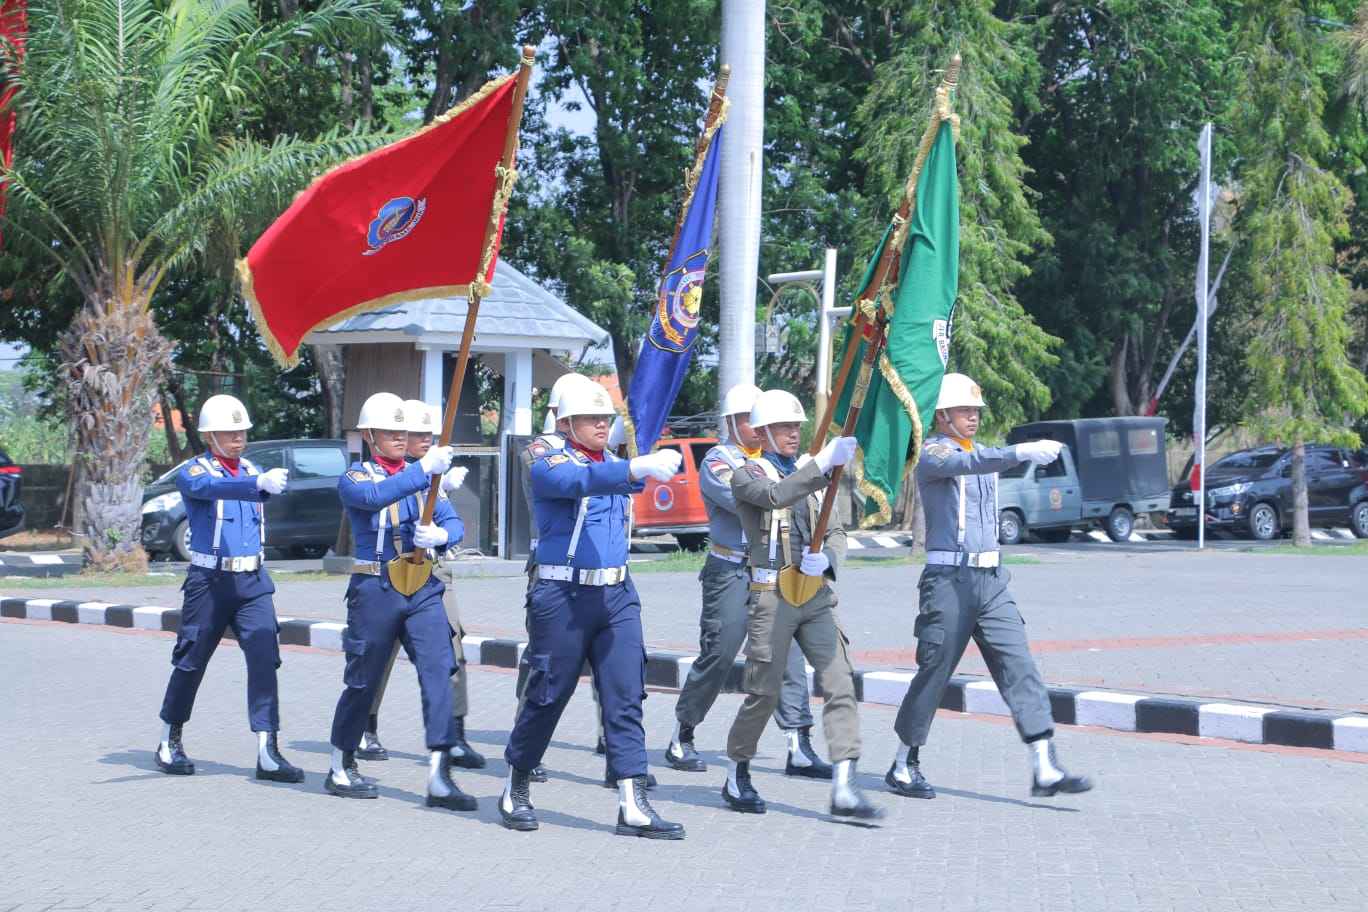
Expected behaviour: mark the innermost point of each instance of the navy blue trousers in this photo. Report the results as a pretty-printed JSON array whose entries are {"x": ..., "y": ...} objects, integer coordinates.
[
  {"x": 377, "y": 615},
  {"x": 568, "y": 624},
  {"x": 214, "y": 601}
]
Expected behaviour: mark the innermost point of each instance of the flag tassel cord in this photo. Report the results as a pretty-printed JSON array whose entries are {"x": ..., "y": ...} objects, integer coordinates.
[
  {"x": 718, "y": 107},
  {"x": 865, "y": 310},
  {"x": 507, "y": 175}
]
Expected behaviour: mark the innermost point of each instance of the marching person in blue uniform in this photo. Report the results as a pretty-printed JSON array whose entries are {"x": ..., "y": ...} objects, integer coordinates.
[
  {"x": 226, "y": 585},
  {"x": 423, "y": 422},
  {"x": 726, "y": 597},
  {"x": 585, "y": 607},
  {"x": 963, "y": 594},
  {"x": 383, "y": 498}
]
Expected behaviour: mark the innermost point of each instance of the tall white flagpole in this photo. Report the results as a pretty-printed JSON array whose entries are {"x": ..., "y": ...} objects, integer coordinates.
[{"x": 1199, "y": 416}]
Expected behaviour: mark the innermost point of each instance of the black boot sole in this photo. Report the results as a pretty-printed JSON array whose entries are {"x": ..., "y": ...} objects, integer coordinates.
[
  {"x": 521, "y": 826},
  {"x": 742, "y": 807},
  {"x": 626, "y": 829},
  {"x": 453, "y": 802},
  {"x": 173, "y": 770},
  {"x": 906, "y": 790},
  {"x": 808, "y": 772},
  {"x": 349, "y": 793},
  {"x": 696, "y": 765},
  {"x": 1064, "y": 786},
  {"x": 469, "y": 761},
  {"x": 371, "y": 755},
  {"x": 280, "y": 775}
]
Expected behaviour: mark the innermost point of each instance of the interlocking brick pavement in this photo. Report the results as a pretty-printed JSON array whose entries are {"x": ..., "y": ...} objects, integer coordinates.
[{"x": 1175, "y": 823}]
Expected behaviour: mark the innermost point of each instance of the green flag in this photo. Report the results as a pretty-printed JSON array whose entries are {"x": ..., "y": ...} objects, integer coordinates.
[{"x": 901, "y": 401}]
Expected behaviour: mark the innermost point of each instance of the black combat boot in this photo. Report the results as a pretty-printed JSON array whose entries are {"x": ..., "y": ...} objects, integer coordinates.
[
  {"x": 1050, "y": 778},
  {"x": 462, "y": 754},
  {"x": 846, "y": 798},
  {"x": 539, "y": 774},
  {"x": 636, "y": 817},
  {"x": 915, "y": 786},
  {"x": 171, "y": 757},
  {"x": 277, "y": 768},
  {"x": 746, "y": 800},
  {"x": 681, "y": 753},
  {"x": 371, "y": 748},
  {"x": 515, "y": 805},
  {"x": 815, "y": 767},
  {"x": 442, "y": 791},
  {"x": 610, "y": 782},
  {"x": 348, "y": 781}
]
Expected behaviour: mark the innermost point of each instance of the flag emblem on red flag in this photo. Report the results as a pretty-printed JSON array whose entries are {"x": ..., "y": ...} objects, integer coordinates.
[{"x": 420, "y": 217}]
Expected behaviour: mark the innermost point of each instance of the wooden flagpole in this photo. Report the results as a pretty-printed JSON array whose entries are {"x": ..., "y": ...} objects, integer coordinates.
[{"x": 505, "y": 171}]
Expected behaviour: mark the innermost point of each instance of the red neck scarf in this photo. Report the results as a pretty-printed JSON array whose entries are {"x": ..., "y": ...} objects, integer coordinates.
[
  {"x": 595, "y": 455},
  {"x": 230, "y": 464},
  {"x": 391, "y": 466}
]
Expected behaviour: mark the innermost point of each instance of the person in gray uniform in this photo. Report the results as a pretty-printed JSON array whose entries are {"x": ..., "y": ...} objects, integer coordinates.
[
  {"x": 726, "y": 597},
  {"x": 963, "y": 594}
]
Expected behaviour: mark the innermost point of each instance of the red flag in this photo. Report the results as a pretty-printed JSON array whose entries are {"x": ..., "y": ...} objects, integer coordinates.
[
  {"x": 13, "y": 26},
  {"x": 409, "y": 220}
]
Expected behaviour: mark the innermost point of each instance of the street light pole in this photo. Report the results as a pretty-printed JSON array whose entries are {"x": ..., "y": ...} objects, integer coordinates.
[{"x": 827, "y": 312}]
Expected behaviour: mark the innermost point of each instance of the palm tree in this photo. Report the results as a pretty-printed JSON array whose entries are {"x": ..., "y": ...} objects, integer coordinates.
[{"x": 134, "y": 157}]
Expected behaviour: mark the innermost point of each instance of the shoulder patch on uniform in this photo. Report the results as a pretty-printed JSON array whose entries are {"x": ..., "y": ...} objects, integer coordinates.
[
  {"x": 357, "y": 475},
  {"x": 557, "y": 459},
  {"x": 755, "y": 471},
  {"x": 719, "y": 468},
  {"x": 938, "y": 450},
  {"x": 537, "y": 449},
  {"x": 195, "y": 470}
]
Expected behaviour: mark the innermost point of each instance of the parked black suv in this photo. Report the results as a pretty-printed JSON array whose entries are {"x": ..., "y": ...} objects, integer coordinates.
[
  {"x": 1251, "y": 492},
  {"x": 11, "y": 487},
  {"x": 303, "y": 521}
]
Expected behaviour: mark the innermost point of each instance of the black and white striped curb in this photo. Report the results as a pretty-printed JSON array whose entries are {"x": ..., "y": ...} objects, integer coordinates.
[
  {"x": 1257, "y": 724},
  {"x": 856, "y": 541},
  {"x": 40, "y": 564}
]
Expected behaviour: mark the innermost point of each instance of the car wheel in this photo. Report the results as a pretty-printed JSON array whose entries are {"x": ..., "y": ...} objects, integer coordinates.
[
  {"x": 1358, "y": 519},
  {"x": 1263, "y": 522},
  {"x": 694, "y": 541},
  {"x": 180, "y": 540},
  {"x": 1054, "y": 536},
  {"x": 1011, "y": 528},
  {"x": 1120, "y": 524}
]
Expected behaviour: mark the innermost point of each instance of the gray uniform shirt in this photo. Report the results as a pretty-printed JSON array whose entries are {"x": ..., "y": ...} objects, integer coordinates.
[
  {"x": 945, "y": 473},
  {"x": 757, "y": 496},
  {"x": 715, "y": 480}
]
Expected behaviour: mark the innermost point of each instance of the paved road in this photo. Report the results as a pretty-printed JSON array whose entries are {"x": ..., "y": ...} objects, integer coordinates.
[
  {"x": 1288, "y": 629},
  {"x": 1176, "y": 823}
]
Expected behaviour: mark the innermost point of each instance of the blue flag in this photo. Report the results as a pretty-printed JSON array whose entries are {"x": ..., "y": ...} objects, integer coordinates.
[{"x": 668, "y": 346}]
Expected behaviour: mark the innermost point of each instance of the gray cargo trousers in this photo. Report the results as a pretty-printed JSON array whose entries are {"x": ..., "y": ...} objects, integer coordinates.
[
  {"x": 962, "y": 603},
  {"x": 722, "y": 630}
]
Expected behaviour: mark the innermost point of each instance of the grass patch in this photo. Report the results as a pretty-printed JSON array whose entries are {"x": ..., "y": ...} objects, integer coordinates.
[
  {"x": 674, "y": 562},
  {"x": 1318, "y": 549},
  {"x": 920, "y": 560}
]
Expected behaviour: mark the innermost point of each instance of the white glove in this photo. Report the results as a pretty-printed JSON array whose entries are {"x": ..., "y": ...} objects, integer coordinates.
[
  {"x": 814, "y": 564},
  {"x": 273, "y": 481},
  {"x": 837, "y": 452},
  {"x": 617, "y": 434},
  {"x": 454, "y": 479},
  {"x": 1040, "y": 452},
  {"x": 429, "y": 536},
  {"x": 437, "y": 460},
  {"x": 660, "y": 465},
  {"x": 803, "y": 459}
]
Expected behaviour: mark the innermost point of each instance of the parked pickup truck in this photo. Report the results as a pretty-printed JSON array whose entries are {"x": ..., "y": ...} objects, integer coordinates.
[{"x": 1109, "y": 470}]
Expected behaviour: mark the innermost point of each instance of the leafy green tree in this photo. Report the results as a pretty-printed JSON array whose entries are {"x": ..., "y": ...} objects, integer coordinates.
[
  {"x": 994, "y": 340},
  {"x": 1293, "y": 210},
  {"x": 129, "y": 164}
]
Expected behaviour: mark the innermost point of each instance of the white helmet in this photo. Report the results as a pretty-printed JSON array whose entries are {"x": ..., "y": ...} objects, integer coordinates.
[
  {"x": 223, "y": 413},
  {"x": 563, "y": 383},
  {"x": 776, "y": 407},
  {"x": 383, "y": 412},
  {"x": 958, "y": 390},
  {"x": 587, "y": 399},
  {"x": 422, "y": 418},
  {"x": 740, "y": 399}
]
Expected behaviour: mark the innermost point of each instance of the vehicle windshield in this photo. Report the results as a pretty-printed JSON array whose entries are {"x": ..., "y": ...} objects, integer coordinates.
[
  {"x": 1017, "y": 471},
  {"x": 1248, "y": 460}
]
